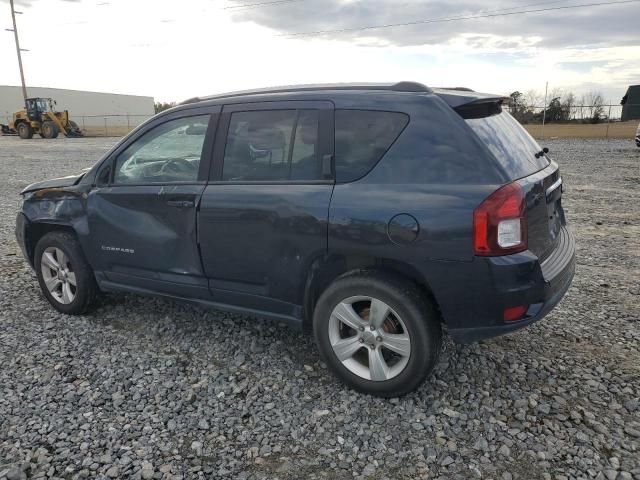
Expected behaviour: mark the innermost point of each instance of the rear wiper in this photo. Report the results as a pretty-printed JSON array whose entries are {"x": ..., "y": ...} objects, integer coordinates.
[{"x": 542, "y": 152}]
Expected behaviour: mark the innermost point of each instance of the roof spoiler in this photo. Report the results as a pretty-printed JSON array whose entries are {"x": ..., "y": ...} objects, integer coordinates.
[
  {"x": 480, "y": 109},
  {"x": 470, "y": 104}
]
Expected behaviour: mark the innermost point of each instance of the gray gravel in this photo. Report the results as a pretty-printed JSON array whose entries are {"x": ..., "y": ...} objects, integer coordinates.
[{"x": 146, "y": 388}]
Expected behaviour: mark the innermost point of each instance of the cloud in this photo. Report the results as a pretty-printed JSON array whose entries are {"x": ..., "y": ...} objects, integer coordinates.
[
  {"x": 559, "y": 28},
  {"x": 147, "y": 54}
]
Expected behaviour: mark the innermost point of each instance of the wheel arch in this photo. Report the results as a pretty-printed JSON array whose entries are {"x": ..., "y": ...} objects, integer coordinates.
[
  {"x": 325, "y": 270},
  {"x": 34, "y": 231}
]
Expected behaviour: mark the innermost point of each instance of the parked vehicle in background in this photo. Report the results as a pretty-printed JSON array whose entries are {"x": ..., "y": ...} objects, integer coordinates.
[
  {"x": 369, "y": 214},
  {"x": 39, "y": 116}
]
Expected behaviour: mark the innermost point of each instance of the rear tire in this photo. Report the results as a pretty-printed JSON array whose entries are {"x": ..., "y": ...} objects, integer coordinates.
[
  {"x": 49, "y": 129},
  {"x": 65, "y": 277},
  {"x": 25, "y": 131},
  {"x": 377, "y": 332}
]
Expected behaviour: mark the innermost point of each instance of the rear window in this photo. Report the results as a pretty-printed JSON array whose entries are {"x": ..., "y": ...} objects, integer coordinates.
[
  {"x": 511, "y": 144},
  {"x": 362, "y": 138}
]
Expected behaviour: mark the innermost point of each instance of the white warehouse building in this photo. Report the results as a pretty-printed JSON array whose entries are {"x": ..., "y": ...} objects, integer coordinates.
[{"x": 96, "y": 112}]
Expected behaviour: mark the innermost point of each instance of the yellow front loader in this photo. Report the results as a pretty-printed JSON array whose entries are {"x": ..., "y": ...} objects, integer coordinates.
[{"x": 40, "y": 117}]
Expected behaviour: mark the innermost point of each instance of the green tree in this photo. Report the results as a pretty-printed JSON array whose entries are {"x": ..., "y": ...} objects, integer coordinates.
[
  {"x": 518, "y": 106},
  {"x": 162, "y": 106},
  {"x": 555, "y": 111}
]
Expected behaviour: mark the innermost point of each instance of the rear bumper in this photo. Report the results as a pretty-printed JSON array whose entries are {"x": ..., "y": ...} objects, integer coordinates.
[{"x": 516, "y": 280}]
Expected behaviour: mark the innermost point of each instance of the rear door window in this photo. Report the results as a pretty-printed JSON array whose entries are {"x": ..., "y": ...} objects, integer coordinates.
[
  {"x": 510, "y": 143},
  {"x": 272, "y": 145},
  {"x": 362, "y": 138}
]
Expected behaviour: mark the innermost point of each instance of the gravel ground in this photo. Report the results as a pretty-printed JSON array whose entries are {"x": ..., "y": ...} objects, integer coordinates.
[{"x": 146, "y": 388}]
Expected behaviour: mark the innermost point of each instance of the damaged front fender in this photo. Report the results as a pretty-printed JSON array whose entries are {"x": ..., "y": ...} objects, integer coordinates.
[
  {"x": 53, "y": 183},
  {"x": 49, "y": 209}
]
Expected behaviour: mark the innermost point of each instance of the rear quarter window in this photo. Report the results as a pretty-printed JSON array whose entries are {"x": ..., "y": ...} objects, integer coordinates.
[
  {"x": 362, "y": 138},
  {"x": 510, "y": 143}
]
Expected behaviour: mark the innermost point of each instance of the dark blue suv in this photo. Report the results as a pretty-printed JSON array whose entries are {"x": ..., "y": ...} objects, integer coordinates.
[{"x": 369, "y": 214}]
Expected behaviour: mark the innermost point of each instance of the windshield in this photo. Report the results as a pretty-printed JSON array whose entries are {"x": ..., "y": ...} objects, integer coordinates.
[{"x": 511, "y": 144}]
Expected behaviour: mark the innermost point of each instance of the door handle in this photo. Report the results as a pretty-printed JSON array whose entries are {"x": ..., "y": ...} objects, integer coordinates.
[{"x": 181, "y": 203}]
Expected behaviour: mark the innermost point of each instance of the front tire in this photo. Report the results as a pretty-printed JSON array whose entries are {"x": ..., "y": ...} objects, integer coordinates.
[
  {"x": 377, "y": 333},
  {"x": 65, "y": 277},
  {"x": 25, "y": 131}
]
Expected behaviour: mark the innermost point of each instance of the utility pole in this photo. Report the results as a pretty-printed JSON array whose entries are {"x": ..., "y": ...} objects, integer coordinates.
[
  {"x": 544, "y": 112},
  {"x": 18, "y": 50}
]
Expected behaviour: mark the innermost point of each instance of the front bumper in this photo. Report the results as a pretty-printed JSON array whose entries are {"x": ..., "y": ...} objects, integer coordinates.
[
  {"x": 22, "y": 223},
  {"x": 518, "y": 280}
]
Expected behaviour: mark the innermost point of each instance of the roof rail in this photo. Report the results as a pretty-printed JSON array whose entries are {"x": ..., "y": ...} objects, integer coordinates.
[
  {"x": 394, "y": 87},
  {"x": 460, "y": 89}
]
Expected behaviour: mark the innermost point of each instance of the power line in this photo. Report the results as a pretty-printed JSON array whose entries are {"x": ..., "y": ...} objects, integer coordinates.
[
  {"x": 250, "y": 6},
  {"x": 453, "y": 19}
]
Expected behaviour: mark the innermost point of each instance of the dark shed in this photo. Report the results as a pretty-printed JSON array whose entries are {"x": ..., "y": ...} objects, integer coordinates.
[{"x": 631, "y": 104}]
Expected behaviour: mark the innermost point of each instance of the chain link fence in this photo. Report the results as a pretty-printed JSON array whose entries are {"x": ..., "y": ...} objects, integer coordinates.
[
  {"x": 582, "y": 121},
  {"x": 100, "y": 125},
  {"x": 109, "y": 125}
]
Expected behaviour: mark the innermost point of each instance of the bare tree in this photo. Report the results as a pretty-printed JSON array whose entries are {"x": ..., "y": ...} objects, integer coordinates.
[
  {"x": 533, "y": 99},
  {"x": 555, "y": 93},
  {"x": 569, "y": 105},
  {"x": 594, "y": 105}
]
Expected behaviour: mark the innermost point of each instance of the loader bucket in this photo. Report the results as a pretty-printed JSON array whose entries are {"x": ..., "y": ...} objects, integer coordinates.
[
  {"x": 73, "y": 130},
  {"x": 6, "y": 130}
]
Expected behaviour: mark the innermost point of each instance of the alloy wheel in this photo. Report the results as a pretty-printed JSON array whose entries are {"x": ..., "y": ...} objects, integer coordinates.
[
  {"x": 58, "y": 275},
  {"x": 369, "y": 338}
]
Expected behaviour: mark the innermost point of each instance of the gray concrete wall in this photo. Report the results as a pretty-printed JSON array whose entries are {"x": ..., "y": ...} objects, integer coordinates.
[{"x": 88, "y": 109}]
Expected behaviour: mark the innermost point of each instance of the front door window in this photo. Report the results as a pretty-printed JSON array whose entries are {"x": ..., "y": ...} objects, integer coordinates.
[{"x": 170, "y": 152}]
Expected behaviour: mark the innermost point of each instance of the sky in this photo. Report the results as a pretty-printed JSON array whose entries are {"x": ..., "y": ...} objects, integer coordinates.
[{"x": 175, "y": 50}]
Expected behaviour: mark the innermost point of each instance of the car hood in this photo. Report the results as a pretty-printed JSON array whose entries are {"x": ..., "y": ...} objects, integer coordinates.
[{"x": 55, "y": 183}]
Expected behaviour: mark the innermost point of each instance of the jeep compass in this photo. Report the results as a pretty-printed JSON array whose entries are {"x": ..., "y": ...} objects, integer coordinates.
[{"x": 372, "y": 215}]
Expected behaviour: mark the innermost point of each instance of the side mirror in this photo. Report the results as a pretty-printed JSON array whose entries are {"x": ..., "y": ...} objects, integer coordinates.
[{"x": 104, "y": 176}]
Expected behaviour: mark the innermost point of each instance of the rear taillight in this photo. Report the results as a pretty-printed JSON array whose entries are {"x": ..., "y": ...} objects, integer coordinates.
[{"x": 500, "y": 224}]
